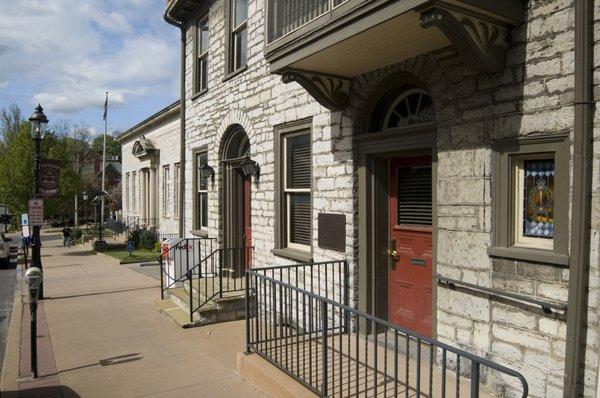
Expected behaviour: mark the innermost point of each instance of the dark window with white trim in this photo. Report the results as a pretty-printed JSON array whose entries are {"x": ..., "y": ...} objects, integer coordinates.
[
  {"x": 202, "y": 43},
  {"x": 127, "y": 202},
  {"x": 297, "y": 189},
  {"x": 166, "y": 190},
  {"x": 176, "y": 172},
  {"x": 238, "y": 40},
  {"x": 201, "y": 200}
]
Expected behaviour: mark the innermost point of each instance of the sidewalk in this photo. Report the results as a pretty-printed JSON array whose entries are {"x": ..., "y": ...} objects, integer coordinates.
[{"x": 106, "y": 338}]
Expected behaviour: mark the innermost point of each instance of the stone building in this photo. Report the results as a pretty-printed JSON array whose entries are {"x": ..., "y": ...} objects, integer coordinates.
[
  {"x": 443, "y": 148},
  {"x": 150, "y": 160}
]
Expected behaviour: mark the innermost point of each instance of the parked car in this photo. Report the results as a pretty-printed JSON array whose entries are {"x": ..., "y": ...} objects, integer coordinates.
[{"x": 4, "y": 250}]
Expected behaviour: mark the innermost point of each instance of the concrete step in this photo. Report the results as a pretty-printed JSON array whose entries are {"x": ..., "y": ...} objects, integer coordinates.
[
  {"x": 228, "y": 308},
  {"x": 174, "y": 312}
]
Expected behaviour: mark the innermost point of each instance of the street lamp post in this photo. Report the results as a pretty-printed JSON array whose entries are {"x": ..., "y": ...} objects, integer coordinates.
[
  {"x": 39, "y": 121},
  {"x": 100, "y": 244}
]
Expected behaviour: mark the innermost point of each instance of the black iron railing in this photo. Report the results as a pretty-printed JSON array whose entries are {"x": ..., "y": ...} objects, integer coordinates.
[
  {"x": 204, "y": 271},
  {"x": 220, "y": 273},
  {"x": 180, "y": 260},
  {"x": 285, "y": 16},
  {"x": 132, "y": 222},
  {"x": 312, "y": 334}
]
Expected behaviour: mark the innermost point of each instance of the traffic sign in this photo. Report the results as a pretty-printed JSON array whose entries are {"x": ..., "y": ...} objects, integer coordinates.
[
  {"x": 36, "y": 212},
  {"x": 25, "y": 225}
]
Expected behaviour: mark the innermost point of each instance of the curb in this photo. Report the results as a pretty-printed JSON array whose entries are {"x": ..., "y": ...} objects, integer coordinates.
[
  {"x": 116, "y": 261},
  {"x": 12, "y": 353}
]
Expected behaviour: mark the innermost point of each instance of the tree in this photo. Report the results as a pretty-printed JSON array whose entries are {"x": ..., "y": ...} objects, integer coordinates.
[
  {"x": 16, "y": 166},
  {"x": 72, "y": 145},
  {"x": 113, "y": 148}
]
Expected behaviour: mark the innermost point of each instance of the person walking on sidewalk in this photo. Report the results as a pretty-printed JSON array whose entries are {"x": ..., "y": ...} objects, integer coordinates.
[{"x": 66, "y": 231}]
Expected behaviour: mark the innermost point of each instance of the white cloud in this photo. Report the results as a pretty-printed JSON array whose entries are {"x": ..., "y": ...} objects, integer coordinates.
[{"x": 70, "y": 53}]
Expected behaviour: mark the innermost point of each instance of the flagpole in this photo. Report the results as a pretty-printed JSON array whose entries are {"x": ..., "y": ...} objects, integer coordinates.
[{"x": 104, "y": 163}]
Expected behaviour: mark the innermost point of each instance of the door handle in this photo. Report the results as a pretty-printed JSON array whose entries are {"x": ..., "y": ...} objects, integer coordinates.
[{"x": 393, "y": 253}]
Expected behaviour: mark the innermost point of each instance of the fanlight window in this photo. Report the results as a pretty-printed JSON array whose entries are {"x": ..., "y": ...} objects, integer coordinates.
[{"x": 411, "y": 108}]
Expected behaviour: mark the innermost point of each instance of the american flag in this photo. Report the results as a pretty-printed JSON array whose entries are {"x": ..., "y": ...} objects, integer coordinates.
[{"x": 105, "y": 108}]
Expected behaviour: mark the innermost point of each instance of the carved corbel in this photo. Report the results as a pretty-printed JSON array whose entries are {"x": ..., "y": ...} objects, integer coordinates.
[
  {"x": 481, "y": 43},
  {"x": 333, "y": 92}
]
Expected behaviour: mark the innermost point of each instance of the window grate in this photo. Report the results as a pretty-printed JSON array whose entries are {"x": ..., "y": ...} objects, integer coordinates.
[{"x": 414, "y": 195}]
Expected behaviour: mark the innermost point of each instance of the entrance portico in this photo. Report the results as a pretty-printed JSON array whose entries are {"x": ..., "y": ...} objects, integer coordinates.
[{"x": 145, "y": 151}]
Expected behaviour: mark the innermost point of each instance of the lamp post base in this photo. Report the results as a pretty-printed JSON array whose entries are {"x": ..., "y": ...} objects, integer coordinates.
[{"x": 100, "y": 245}]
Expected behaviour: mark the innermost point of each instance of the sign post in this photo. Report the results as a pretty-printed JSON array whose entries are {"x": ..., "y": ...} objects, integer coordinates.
[{"x": 25, "y": 238}]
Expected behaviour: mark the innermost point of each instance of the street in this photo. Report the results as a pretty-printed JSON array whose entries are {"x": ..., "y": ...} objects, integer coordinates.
[{"x": 8, "y": 278}]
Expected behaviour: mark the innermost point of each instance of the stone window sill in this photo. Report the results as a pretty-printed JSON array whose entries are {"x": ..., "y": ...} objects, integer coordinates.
[
  {"x": 528, "y": 254},
  {"x": 292, "y": 254},
  {"x": 235, "y": 73},
  {"x": 200, "y": 233},
  {"x": 199, "y": 94}
]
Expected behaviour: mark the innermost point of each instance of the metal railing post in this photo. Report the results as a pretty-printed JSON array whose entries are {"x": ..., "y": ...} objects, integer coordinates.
[
  {"x": 187, "y": 255},
  {"x": 474, "y": 379},
  {"x": 324, "y": 344},
  {"x": 221, "y": 254},
  {"x": 162, "y": 282},
  {"x": 189, "y": 278},
  {"x": 346, "y": 297},
  {"x": 247, "y": 352}
]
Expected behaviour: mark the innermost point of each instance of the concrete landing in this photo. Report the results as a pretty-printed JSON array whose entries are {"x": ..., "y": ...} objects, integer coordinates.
[{"x": 257, "y": 371}]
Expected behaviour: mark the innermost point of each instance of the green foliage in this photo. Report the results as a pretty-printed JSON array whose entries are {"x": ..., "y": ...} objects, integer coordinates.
[
  {"x": 113, "y": 148},
  {"x": 16, "y": 168},
  {"x": 157, "y": 247},
  {"x": 147, "y": 239},
  {"x": 135, "y": 237},
  {"x": 77, "y": 233},
  {"x": 72, "y": 145}
]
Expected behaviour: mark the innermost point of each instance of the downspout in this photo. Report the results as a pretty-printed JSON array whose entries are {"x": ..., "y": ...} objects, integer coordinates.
[
  {"x": 581, "y": 207},
  {"x": 181, "y": 187}
]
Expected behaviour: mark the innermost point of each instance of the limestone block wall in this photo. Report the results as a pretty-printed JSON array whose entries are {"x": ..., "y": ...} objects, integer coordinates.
[
  {"x": 533, "y": 95},
  {"x": 259, "y": 101}
]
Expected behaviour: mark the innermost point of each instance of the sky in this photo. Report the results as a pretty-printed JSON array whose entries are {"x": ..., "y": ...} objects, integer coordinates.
[{"x": 65, "y": 54}]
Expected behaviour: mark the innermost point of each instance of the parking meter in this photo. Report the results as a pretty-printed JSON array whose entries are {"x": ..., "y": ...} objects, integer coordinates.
[{"x": 34, "y": 278}]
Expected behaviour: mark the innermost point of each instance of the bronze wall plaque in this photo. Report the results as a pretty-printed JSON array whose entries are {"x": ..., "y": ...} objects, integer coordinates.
[{"x": 332, "y": 231}]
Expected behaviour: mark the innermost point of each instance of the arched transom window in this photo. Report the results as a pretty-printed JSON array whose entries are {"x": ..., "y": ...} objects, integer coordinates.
[{"x": 412, "y": 107}]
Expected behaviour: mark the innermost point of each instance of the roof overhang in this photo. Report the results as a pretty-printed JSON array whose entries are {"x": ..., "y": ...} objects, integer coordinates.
[{"x": 159, "y": 117}]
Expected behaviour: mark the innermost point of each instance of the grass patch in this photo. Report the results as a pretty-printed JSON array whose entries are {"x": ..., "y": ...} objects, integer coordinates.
[{"x": 138, "y": 256}]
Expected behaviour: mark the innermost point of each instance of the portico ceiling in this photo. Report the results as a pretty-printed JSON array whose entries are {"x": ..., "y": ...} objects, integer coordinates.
[{"x": 399, "y": 38}]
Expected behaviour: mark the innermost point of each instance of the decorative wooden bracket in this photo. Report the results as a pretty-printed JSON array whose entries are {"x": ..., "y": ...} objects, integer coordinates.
[
  {"x": 333, "y": 92},
  {"x": 481, "y": 43}
]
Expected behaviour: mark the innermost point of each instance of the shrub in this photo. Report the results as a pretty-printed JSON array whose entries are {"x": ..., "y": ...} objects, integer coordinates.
[
  {"x": 77, "y": 233},
  {"x": 135, "y": 236},
  {"x": 157, "y": 247},
  {"x": 147, "y": 239}
]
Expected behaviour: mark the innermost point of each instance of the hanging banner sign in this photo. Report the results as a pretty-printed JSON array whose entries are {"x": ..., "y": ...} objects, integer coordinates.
[
  {"x": 36, "y": 212},
  {"x": 49, "y": 176}
]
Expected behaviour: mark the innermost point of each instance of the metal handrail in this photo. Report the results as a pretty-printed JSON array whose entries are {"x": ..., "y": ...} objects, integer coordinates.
[
  {"x": 256, "y": 281},
  {"x": 174, "y": 280},
  {"x": 210, "y": 264},
  {"x": 546, "y": 306}
]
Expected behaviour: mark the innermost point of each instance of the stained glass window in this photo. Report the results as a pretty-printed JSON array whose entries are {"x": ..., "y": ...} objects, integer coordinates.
[{"x": 538, "y": 198}]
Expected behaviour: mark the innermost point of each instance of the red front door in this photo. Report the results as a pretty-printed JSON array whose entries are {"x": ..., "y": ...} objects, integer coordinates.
[
  {"x": 410, "y": 271},
  {"x": 247, "y": 220}
]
